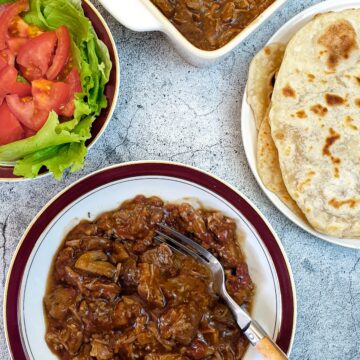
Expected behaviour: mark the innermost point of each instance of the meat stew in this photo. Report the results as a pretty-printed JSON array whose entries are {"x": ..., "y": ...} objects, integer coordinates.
[
  {"x": 114, "y": 293},
  {"x": 211, "y": 24}
]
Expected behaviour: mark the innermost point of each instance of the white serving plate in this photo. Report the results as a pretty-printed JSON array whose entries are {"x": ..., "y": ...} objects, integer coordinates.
[
  {"x": 275, "y": 300},
  {"x": 143, "y": 15},
  {"x": 248, "y": 128}
]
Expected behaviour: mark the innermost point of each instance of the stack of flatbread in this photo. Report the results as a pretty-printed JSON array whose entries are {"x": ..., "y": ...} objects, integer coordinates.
[{"x": 306, "y": 101}]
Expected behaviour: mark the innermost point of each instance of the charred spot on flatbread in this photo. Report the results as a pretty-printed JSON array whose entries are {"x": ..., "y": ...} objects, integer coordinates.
[
  {"x": 320, "y": 110},
  {"x": 311, "y": 77},
  {"x": 267, "y": 50},
  {"x": 334, "y": 100},
  {"x": 301, "y": 114},
  {"x": 357, "y": 102},
  {"x": 330, "y": 141},
  {"x": 279, "y": 135},
  {"x": 349, "y": 122},
  {"x": 339, "y": 40},
  {"x": 288, "y": 91},
  {"x": 337, "y": 204}
]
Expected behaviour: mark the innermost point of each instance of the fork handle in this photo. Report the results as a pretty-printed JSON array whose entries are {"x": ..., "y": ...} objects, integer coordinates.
[
  {"x": 269, "y": 350},
  {"x": 262, "y": 343}
]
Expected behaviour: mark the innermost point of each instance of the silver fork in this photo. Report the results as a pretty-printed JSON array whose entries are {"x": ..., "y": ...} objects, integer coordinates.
[{"x": 251, "y": 329}]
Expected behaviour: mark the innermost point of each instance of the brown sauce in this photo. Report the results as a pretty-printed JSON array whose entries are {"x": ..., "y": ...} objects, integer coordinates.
[
  {"x": 211, "y": 24},
  {"x": 114, "y": 293}
]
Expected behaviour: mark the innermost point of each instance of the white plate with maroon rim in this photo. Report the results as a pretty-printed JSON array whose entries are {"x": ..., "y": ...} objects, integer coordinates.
[
  {"x": 249, "y": 131},
  {"x": 275, "y": 300}
]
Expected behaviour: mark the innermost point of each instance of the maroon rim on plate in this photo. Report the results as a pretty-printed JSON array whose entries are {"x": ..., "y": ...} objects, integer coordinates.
[
  {"x": 6, "y": 172},
  {"x": 124, "y": 171}
]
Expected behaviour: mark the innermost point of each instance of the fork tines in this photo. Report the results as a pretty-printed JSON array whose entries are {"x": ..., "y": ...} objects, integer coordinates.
[{"x": 183, "y": 244}]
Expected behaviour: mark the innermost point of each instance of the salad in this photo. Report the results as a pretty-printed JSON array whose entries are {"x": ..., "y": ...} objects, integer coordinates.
[{"x": 53, "y": 73}]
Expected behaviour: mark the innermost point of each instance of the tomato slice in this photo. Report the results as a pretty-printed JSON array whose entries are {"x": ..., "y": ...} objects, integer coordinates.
[
  {"x": 21, "y": 89},
  {"x": 25, "y": 111},
  {"x": 18, "y": 28},
  {"x": 3, "y": 63},
  {"x": 49, "y": 95},
  {"x": 7, "y": 79},
  {"x": 73, "y": 79},
  {"x": 15, "y": 44},
  {"x": 62, "y": 53},
  {"x": 10, "y": 128},
  {"x": 36, "y": 55},
  {"x": 39, "y": 119},
  {"x": 29, "y": 133},
  {"x": 7, "y": 56},
  {"x": 6, "y": 17}
]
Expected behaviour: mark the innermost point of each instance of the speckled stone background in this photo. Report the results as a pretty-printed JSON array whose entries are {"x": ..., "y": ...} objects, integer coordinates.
[{"x": 170, "y": 110}]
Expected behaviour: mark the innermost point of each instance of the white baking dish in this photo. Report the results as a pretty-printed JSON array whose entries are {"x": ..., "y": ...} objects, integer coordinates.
[{"x": 143, "y": 15}]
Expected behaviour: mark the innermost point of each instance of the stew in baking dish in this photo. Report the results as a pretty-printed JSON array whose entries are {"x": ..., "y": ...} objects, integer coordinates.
[{"x": 211, "y": 24}]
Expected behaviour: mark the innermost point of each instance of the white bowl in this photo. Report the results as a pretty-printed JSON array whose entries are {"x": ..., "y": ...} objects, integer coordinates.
[{"x": 143, "y": 15}]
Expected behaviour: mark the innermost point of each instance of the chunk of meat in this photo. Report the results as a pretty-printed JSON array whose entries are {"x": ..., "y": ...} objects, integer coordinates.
[
  {"x": 198, "y": 350},
  {"x": 96, "y": 314},
  {"x": 118, "y": 252},
  {"x": 84, "y": 228},
  {"x": 65, "y": 258},
  {"x": 148, "y": 337},
  {"x": 225, "y": 245},
  {"x": 106, "y": 224},
  {"x": 162, "y": 257},
  {"x": 136, "y": 218},
  {"x": 149, "y": 286},
  {"x": 180, "y": 323},
  {"x": 89, "y": 243},
  {"x": 109, "y": 291},
  {"x": 129, "y": 274},
  {"x": 164, "y": 357},
  {"x": 57, "y": 303},
  {"x": 84, "y": 354},
  {"x": 69, "y": 338},
  {"x": 141, "y": 245},
  {"x": 95, "y": 262},
  {"x": 73, "y": 278},
  {"x": 240, "y": 286},
  {"x": 211, "y": 332},
  {"x": 179, "y": 289},
  {"x": 125, "y": 312},
  {"x": 222, "y": 314},
  {"x": 101, "y": 351},
  {"x": 195, "y": 224},
  {"x": 221, "y": 226}
]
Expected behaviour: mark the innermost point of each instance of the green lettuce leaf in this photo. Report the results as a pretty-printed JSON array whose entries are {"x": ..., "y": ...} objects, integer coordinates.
[
  {"x": 51, "y": 134},
  {"x": 58, "y": 146}
]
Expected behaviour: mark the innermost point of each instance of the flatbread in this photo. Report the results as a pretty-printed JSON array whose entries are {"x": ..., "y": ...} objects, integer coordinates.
[
  {"x": 315, "y": 122},
  {"x": 267, "y": 63},
  {"x": 260, "y": 83},
  {"x": 269, "y": 167}
]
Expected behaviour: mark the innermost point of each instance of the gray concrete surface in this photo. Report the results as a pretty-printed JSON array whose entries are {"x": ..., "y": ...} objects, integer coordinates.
[{"x": 170, "y": 110}]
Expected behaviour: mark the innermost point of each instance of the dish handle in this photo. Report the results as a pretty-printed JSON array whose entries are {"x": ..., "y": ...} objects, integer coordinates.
[{"x": 133, "y": 14}]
